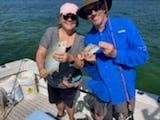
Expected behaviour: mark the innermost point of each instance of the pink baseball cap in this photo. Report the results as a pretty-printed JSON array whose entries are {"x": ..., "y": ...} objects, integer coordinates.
[{"x": 67, "y": 8}]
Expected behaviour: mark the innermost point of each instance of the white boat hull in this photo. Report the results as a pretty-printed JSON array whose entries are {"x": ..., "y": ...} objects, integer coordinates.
[{"x": 147, "y": 106}]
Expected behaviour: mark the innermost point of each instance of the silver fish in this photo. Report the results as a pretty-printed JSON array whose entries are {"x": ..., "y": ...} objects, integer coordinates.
[{"x": 50, "y": 63}]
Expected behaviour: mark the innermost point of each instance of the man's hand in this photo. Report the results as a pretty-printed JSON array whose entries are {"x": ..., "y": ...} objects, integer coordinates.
[{"x": 108, "y": 49}]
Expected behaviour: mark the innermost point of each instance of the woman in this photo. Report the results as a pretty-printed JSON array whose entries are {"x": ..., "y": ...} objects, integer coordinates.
[{"x": 61, "y": 91}]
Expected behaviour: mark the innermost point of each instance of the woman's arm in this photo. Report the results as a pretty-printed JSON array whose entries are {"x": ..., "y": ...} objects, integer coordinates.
[{"x": 40, "y": 59}]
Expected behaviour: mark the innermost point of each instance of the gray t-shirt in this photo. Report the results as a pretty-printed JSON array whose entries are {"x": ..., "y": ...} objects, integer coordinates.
[{"x": 50, "y": 37}]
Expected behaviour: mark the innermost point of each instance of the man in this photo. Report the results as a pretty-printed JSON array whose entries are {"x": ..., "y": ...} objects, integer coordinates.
[{"x": 112, "y": 67}]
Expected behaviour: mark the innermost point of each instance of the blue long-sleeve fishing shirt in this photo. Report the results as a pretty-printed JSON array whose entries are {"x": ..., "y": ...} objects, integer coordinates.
[{"x": 107, "y": 83}]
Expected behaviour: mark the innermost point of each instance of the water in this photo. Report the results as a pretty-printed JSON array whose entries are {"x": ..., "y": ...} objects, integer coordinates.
[{"x": 23, "y": 22}]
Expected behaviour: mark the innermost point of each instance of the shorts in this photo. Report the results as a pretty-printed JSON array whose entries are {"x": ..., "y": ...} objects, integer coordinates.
[
  {"x": 57, "y": 95},
  {"x": 108, "y": 110},
  {"x": 102, "y": 108},
  {"x": 123, "y": 109}
]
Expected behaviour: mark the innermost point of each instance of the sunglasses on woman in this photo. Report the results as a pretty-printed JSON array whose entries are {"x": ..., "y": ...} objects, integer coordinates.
[
  {"x": 96, "y": 8},
  {"x": 71, "y": 16}
]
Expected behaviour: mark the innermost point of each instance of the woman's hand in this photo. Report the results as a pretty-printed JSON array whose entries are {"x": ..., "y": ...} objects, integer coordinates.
[
  {"x": 43, "y": 73},
  {"x": 70, "y": 85},
  {"x": 60, "y": 56},
  {"x": 76, "y": 84},
  {"x": 66, "y": 83},
  {"x": 63, "y": 57}
]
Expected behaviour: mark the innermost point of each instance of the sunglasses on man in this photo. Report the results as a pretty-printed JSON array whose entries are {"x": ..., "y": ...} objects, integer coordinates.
[
  {"x": 96, "y": 7},
  {"x": 71, "y": 16}
]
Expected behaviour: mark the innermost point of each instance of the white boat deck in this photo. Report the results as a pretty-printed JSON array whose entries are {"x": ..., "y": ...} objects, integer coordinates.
[
  {"x": 26, "y": 107},
  {"x": 147, "y": 106}
]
